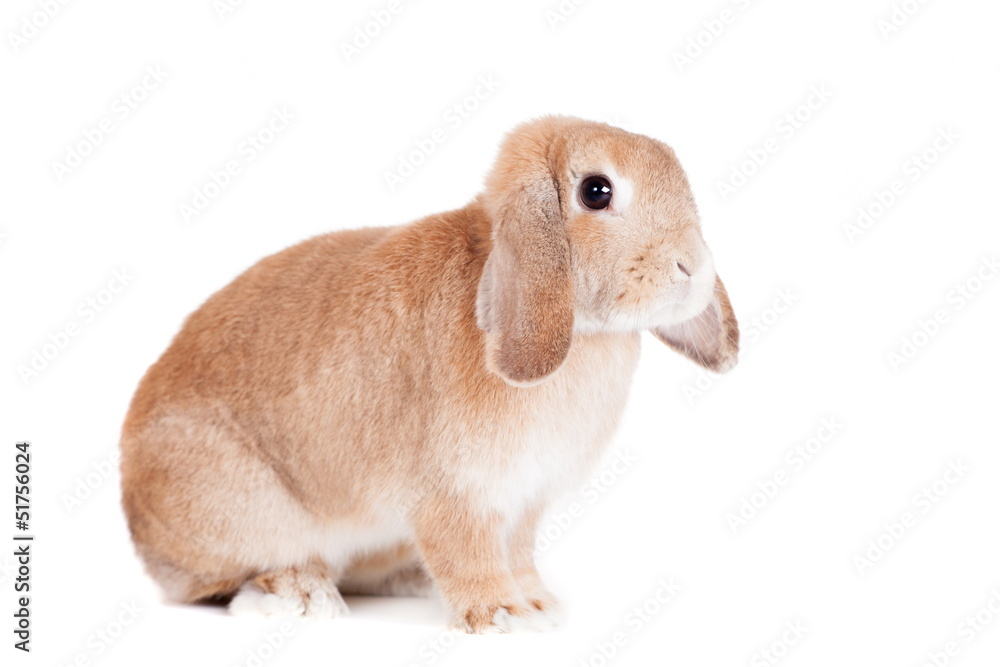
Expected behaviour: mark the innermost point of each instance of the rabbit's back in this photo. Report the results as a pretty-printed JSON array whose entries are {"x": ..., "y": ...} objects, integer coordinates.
[{"x": 305, "y": 391}]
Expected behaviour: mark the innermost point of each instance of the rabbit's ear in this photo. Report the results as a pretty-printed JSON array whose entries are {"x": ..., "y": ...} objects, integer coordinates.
[
  {"x": 525, "y": 296},
  {"x": 711, "y": 338}
]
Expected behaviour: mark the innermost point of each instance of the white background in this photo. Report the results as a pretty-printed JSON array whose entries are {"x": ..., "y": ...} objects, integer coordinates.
[{"x": 853, "y": 301}]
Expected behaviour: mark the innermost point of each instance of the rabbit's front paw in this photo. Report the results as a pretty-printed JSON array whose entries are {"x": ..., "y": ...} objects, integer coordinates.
[
  {"x": 497, "y": 618},
  {"x": 536, "y": 595}
]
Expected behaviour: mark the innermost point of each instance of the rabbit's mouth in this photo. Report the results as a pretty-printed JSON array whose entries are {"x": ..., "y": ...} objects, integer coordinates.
[
  {"x": 677, "y": 303},
  {"x": 687, "y": 300}
]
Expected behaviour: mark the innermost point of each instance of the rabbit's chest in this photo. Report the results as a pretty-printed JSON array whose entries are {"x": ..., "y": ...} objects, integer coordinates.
[{"x": 565, "y": 423}]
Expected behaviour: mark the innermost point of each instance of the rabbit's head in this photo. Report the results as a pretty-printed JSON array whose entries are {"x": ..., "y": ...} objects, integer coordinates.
[{"x": 594, "y": 229}]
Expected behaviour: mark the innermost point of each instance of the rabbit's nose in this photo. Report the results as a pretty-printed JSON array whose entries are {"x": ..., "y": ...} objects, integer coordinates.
[{"x": 684, "y": 269}]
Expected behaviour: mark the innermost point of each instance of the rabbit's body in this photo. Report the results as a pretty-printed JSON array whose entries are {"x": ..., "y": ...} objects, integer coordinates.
[
  {"x": 330, "y": 419},
  {"x": 370, "y": 426}
]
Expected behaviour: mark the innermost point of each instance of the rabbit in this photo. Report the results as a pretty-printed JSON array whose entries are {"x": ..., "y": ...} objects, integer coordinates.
[{"x": 390, "y": 410}]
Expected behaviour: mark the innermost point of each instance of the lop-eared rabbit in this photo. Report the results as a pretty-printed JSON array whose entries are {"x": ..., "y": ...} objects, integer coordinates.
[{"x": 389, "y": 410}]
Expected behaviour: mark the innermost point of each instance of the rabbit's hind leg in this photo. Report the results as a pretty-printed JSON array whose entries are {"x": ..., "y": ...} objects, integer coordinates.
[{"x": 308, "y": 590}]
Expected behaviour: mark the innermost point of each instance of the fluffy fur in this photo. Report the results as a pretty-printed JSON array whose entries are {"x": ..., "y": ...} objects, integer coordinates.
[{"x": 385, "y": 409}]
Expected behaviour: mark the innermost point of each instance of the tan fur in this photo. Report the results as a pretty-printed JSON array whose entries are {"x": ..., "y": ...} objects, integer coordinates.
[{"x": 336, "y": 414}]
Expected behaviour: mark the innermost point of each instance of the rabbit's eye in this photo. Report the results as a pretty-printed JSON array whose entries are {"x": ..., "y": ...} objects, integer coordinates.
[{"x": 595, "y": 192}]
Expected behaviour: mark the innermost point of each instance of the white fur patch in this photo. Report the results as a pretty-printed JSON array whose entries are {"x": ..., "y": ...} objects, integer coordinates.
[
  {"x": 621, "y": 191},
  {"x": 567, "y": 420},
  {"x": 667, "y": 311},
  {"x": 700, "y": 296},
  {"x": 534, "y": 621},
  {"x": 505, "y": 622},
  {"x": 324, "y": 605},
  {"x": 251, "y": 601}
]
